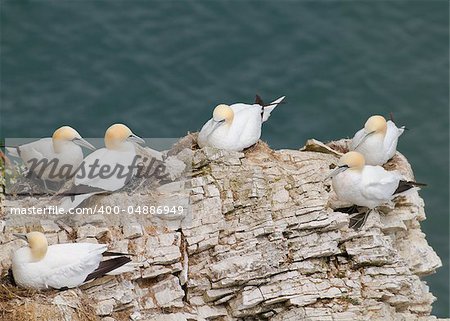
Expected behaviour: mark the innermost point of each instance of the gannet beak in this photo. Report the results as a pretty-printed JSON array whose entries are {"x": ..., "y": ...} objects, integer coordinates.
[
  {"x": 364, "y": 138},
  {"x": 21, "y": 236},
  {"x": 135, "y": 139},
  {"x": 83, "y": 143},
  {"x": 336, "y": 171},
  {"x": 217, "y": 124}
]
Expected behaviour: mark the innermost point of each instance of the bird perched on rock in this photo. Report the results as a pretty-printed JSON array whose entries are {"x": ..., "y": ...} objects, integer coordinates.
[
  {"x": 54, "y": 159},
  {"x": 237, "y": 126},
  {"x": 377, "y": 141},
  {"x": 365, "y": 185},
  {"x": 107, "y": 169},
  {"x": 60, "y": 266}
]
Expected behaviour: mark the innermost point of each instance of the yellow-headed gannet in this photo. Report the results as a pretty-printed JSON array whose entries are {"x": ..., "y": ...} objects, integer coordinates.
[
  {"x": 60, "y": 266},
  {"x": 107, "y": 169},
  {"x": 237, "y": 126},
  {"x": 56, "y": 158},
  {"x": 366, "y": 185},
  {"x": 377, "y": 141}
]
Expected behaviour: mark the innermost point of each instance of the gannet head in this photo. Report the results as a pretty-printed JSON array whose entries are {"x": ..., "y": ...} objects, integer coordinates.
[
  {"x": 375, "y": 124},
  {"x": 351, "y": 160},
  {"x": 67, "y": 135},
  {"x": 223, "y": 113},
  {"x": 37, "y": 242},
  {"x": 118, "y": 136}
]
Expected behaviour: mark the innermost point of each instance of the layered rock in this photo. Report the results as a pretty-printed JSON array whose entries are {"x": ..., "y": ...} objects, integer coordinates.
[{"x": 264, "y": 240}]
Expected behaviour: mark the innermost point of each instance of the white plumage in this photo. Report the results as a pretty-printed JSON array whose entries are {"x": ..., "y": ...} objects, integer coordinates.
[
  {"x": 106, "y": 169},
  {"x": 377, "y": 141},
  {"x": 371, "y": 187},
  {"x": 366, "y": 185},
  {"x": 235, "y": 127},
  {"x": 63, "y": 150},
  {"x": 39, "y": 266}
]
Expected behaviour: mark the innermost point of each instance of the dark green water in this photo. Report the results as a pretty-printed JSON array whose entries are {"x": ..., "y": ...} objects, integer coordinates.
[{"x": 160, "y": 67}]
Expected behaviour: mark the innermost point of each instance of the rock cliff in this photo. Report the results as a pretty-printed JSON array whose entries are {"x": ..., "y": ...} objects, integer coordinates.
[{"x": 265, "y": 240}]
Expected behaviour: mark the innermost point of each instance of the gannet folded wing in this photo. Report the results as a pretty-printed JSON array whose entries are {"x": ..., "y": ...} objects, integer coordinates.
[
  {"x": 265, "y": 109},
  {"x": 70, "y": 264},
  {"x": 32, "y": 150},
  {"x": 391, "y": 139},
  {"x": 379, "y": 184}
]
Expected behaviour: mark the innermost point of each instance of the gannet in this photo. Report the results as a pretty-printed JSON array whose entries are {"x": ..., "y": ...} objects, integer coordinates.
[
  {"x": 237, "y": 126},
  {"x": 60, "y": 266},
  {"x": 366, "y": 185},
  {"x": 56, "y": 158},
  {"x": 377, "y": 141},
  {"x": 107, "y": 169}
]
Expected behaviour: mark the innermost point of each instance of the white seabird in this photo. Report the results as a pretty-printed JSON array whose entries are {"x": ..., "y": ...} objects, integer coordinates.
[
  {"x": 377, "y": 141},
  {"x": 56, "y": 158},
  {"x": 60, "y": 266},
  {"x": 107, "y": 169},
  {"x": 237, "y": 126},
  {"x": 366, "y": 185}
]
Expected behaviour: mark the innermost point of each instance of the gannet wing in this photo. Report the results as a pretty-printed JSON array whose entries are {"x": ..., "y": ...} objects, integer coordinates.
[
  {"x": 70, "y": 264},
  {"x": 393, "y": 131},
  {"x": 391, "y": 138},
  {"x": 111, "y": 181},
  {"x": 268, "y": 108},
  {"x": 13, "y": 151},
  {"x": 88, "y": 181},
  {"x": 245, "y": 122},
  {"x": 108, "y": 267},
  {"x": 379, "y": 184},
  {"x": 237, "y": 107},
  {"x": 38, "y": 149}
]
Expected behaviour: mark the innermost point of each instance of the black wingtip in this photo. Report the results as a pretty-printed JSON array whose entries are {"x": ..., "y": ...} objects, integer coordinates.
[
  {"x": 108, "y": 266},
  {"x": 109, "y": 253},
  {"x": 403, "y": 186},
  {"x": 259, "y": 101},
  {"x": 391, "y": 116}
]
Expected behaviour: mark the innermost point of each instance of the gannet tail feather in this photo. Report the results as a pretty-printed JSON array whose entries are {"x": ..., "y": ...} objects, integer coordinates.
[
  {"x": 403, "y": 186},
  {"x": 268, "y": 108},
  {"x": 108, "y": 266},
  {"x": 13, "y": 151},
  {"x": 259, "y": 101}
]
